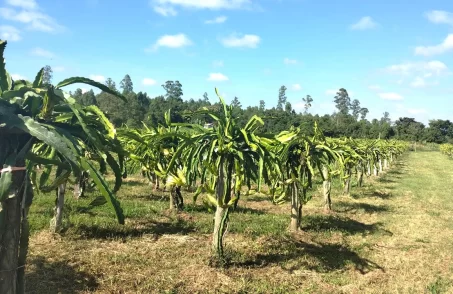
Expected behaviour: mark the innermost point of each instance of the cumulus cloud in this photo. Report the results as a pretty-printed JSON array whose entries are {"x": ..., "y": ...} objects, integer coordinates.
[
  {"x": 218, "y": 77},
  {"x": 98, "y": 78},
  {"x": 296, "y": 87},
  {"x": 165, "y": 11},
  {"x": 433, "y": 67},
  {"x": 148, "y": 82},
  {"x": 245, "y": 41},
  {"x": 331, "y": 92},
  {"x": 167, "y": 7},
  {"x": 219, "y": 19},
  {"x": 25, "y": 4},
  {"x": 390, "y": 96},
  {"x": 204, "y": 4},
  {"x": 445, "y": 46},
  {"x": 42, "y": 53},
  {"x": 289, "y": 61},
  {"x": 440, "y": 17},
  {"x": 30, "y": 15},
  {"x": 365, "y": 23},
  {"x": 171, "y": 41},
  {"x": 10, "y": 33}
]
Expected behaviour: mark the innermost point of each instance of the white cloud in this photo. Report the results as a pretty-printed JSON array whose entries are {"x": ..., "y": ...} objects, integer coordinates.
[
  {"x": 25, "y": 4},
  {"x": 219, "y": 19},
  {"x": 289, "y": 61},
  {"x": 42, "y": 53},
  {"x": 418, "y": 82},
  {"x": 16, "y": 77},
  {"x": 171, "y": 41},
  {"x": 365, "y": 23},
  {"x": 10, "y": 33},
  {"x": 36, "y": 20},
  {"x": 374, "y": 87},
  {"x": 390, "y": 96},
  {"x": 205, "y": 4},
  {"x": 433, "y": 67},
  {"x": 217, "y": 63},
  {"x": 248, "y": 41},
  {"x": 217, "y": 77},
  {"x": 98, "y": 78},
  {"x": 445, "y": 46},
  {"x": 267, "y": 71},
  {"x": 296, "y": 87},
  {"x": 165, "y": 11},
  {"x": 440, "y": 17},
  {"x": 84, "y": 90},
  {"x": 148, "y": 82},
  {"x": 416, "y": 110}
]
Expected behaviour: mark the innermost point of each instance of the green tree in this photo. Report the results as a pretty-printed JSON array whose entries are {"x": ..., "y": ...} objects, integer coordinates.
[
  {"x": 173, "y": 90},
  {"x": 87, "y": 98},
  {"x": 47, "y": 76},
  {"x": 342, "y": 101},
  {"x": 262, "y": 106},
  {"x": 111, "y": 84},
  {"x": 355, "y": 108},
  {"x": 281, "y": 98},
  {"x": 307, "y": 103},
  {"x": 363, "y": 112},
  {"x": 127, "y": 85}
]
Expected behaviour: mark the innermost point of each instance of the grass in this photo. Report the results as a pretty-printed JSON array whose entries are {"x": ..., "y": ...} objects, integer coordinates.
[{"x": 391, "y": 236}]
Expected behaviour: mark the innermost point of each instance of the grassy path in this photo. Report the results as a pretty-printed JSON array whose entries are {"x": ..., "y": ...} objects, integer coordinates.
[{"x": 395, "y": 235}]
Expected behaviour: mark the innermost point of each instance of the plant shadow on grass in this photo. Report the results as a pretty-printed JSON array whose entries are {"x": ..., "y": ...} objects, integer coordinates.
[
  {"x": 319, "y": 257},
  {"x": 240, "y": 209},
  {"x": 57, "y": 277},
  {"x": 356, "y": 207},
  {"x": 155, "y": 228},
  {"x": 319, "y": 223}
]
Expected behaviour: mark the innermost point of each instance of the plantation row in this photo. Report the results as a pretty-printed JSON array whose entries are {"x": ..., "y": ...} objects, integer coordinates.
[{"x": 48, "y": 140}]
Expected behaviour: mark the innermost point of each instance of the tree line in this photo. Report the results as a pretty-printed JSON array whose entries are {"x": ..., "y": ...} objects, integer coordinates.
[{"x": 349, "y": 119}]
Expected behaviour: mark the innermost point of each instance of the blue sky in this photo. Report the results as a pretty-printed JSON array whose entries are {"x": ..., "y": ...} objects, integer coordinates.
[{"x": 393, "y": 56}]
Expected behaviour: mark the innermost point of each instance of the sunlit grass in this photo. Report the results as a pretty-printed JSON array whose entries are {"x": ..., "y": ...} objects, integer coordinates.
[{"x": 394, "y": 235}]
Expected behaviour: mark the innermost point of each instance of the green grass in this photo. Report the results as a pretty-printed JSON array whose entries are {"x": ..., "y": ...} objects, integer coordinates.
[{"x": 394, "y": 235}]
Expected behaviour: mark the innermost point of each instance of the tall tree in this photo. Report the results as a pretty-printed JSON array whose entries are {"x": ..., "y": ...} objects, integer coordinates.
[
  {"x": 236, "y": 103},
  {"x": 281, "y": 97},
  {"x": 173, "y": 89},
  {"x": 111, "y": 84},
  {"x": 355, "y": 108},
  {"x": 87, "y": 98},
  {"x": 288, "y": 107},
  {"x": 386, "y": 118},
  {"x": 77, "y": 94},
  {"x": 47, "y": 76},
  {"x": 262, "y": 106},
  {"x": 363, "y": 112},
  {"x": 127, "y": 85},
  {"x": 143, "y": 100},
  {"x": 205, "y": 98},
  {"x": 342, "y": 101},
  {"x": 307, "y": 103}
]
